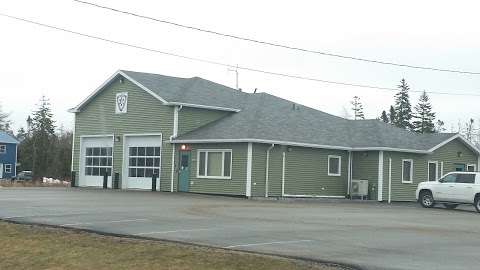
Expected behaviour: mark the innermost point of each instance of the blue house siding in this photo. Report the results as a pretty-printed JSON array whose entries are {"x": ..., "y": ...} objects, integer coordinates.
[{"x": 9, "y": 158}]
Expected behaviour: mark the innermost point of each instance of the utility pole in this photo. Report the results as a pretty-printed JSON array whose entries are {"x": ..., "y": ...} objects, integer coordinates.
[{"x": 236, "y": 76}]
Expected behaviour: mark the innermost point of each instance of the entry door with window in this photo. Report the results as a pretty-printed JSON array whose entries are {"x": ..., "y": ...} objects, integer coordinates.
[
  {"x": 432, "y": 171},
  {"x": 184, "y": 171}
]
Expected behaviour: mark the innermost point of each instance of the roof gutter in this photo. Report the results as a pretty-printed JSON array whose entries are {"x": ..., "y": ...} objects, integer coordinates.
[{"x": 303, "y": 145}]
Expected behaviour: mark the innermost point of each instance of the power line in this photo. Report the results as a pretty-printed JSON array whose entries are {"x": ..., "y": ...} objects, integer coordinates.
[
  {"x": 286, "y": 75},
  {"x": 268, "y": 43}
]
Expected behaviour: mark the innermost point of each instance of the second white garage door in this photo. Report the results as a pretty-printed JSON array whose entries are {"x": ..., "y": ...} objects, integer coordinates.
[{"x": 142, "y": 159}]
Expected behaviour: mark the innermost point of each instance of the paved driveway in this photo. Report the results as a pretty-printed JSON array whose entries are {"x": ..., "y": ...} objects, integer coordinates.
[{"x": 371, "y": 235}]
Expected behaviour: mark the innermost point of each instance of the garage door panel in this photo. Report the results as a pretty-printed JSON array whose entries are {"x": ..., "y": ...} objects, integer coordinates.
[
  {"x": 96, "y": 159},
  {"x": 142, "y": 159}
]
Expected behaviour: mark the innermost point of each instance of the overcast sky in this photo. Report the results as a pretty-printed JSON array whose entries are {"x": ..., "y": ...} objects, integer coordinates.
[{"x": 36, "y": 61}]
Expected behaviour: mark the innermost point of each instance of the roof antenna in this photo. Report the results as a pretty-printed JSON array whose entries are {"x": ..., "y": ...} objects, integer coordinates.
[{"x": 236, "y": 76}]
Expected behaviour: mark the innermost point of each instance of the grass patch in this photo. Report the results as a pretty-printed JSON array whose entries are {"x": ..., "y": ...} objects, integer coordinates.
[{"x": 37, "y": 247}]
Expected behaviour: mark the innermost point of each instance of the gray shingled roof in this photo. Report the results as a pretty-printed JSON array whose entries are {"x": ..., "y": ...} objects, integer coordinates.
[
  {"x": 188, "y": 90},
  {"x": 266, "y": 117}
]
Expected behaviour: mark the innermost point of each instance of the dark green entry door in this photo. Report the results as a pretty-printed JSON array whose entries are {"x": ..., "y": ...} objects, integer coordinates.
[{"x": 184, "y": 172}]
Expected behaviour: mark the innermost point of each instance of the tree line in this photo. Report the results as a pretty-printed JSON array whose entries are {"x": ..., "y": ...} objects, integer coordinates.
[
  {"x": 420, "y": 119},
  {"x": 44, "y": 148}
]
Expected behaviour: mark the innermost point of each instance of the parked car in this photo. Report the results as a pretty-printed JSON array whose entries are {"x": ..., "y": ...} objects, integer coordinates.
[
  {"x": 24, "y": 175},
  {"x": 453, "y": 189}
]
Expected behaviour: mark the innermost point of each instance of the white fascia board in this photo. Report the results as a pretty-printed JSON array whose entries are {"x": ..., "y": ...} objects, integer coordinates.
[
  {"x": 457, "y": 136},
  {"x": 263, "y": 141},
  {"x": 108, "y": 81},
  {"x": 202, "y": 106},
  {"x": 390, "y": 149},
  {"x": 142, "y": 87},
  {"x": 304, "y": 145}
]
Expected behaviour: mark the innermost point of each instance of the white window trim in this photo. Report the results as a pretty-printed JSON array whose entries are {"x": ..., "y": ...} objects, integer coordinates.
[
  {"x": 339, "y": 165},
  {"x": 8, "y": 168},
  {"x": 474, "y": 167},
  {"x": 428, "y": 169},
  {"x": 223, "y": 151},
  {"x": 411, "y": 171},
  {"x": 3, "y": 148}
]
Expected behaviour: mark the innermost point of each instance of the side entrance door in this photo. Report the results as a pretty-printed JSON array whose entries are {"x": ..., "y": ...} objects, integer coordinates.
[
  {"x": 1, "y": 170},
  {"x": 184, "y": 171}
]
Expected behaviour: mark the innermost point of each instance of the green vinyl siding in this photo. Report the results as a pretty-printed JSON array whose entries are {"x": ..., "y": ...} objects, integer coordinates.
[
  {"x": 448, "y": 154},
  {"x": 234, "y": 186},
  {"x": 259, "y": 157},
  {"x": 306, "y": 172},
  {"x": 193, "y": 118},
  {"x": 145, "y": 115},
  {"x": 365, "y": 167},
  {"x": 274, "y": 171}
]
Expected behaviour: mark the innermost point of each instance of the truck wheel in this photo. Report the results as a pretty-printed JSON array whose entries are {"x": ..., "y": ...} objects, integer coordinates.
[
  {"x": 426, "y": 199},
  {"x": 450, "y": 205},
  {"x": 477, "y": 203}
]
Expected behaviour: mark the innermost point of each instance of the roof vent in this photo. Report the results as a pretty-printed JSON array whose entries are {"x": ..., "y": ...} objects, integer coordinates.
[{"x": 295, "y": 107}]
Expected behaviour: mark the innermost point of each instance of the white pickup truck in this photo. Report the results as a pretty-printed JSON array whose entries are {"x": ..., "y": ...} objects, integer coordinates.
[{"x": 452, "y": 189}]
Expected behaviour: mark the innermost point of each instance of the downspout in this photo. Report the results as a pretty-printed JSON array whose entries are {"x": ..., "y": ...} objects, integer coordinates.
[
  {"x": 267, "y": 168},
  {"x": 283, "y": 174},
  {"x": 390, "y": 180},
  {"x": 349, "y": 173},
  {"x": 176, "y": 110}
]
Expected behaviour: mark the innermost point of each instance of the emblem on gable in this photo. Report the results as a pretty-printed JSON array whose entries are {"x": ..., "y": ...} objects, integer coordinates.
[{"x": 121, "y": 102}]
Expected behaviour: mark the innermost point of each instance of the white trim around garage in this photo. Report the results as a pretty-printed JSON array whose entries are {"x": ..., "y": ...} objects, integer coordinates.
[{"x": 125, "y": 165}]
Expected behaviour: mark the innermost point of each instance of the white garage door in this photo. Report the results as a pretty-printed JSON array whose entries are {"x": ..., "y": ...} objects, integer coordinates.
[
  {"x": 142, "y": 159},
  {"x": 96, "y": 158}
]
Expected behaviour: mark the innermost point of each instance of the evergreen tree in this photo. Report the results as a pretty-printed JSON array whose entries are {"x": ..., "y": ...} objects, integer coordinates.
[
  {"x": 384, "y": 116},
  {"x": 5, "y": 123},
  {"x": 43, "y": 139},
  {"x": 357, "y": 108},
  {"x": 440, "y": 126},
  {"x": 424, "y": 116},
  {"x": 392, "y": 115},
  {"x": 403, "y": 109}
]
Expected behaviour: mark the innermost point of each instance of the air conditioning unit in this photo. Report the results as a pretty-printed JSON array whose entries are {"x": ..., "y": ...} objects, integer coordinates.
[{"x": 359, "y": 188}]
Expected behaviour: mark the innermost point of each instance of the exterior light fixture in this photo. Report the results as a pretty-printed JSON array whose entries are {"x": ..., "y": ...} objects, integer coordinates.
[
  {"x": 118, "y": 138},
  {"x": 185, "y": 147}
]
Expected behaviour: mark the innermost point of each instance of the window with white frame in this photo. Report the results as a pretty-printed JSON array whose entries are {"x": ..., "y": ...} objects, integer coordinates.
[
  {"x": 214, "y": 164},
  {"x": 3, "y": 148},
  {"x": 471, "y": 167},
  {"x": 334, "y": 165},
  {"x": 143, "y": 161},
  {"x": 8, "y": 168},
  {"x": 407, "y": 171},
  {"x": 98, "y": 161}
]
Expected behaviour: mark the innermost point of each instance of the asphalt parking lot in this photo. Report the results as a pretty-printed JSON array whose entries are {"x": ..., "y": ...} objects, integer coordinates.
[{"x": 369, "y": 235}]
